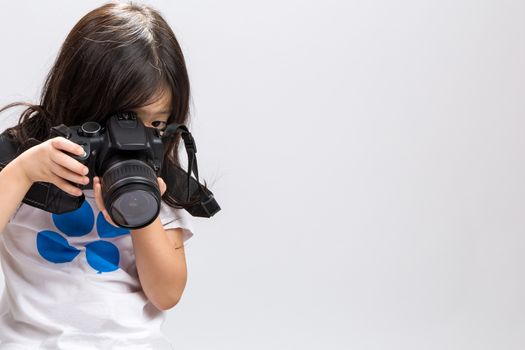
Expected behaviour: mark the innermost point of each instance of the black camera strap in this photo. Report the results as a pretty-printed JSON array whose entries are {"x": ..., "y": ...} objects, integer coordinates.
[{"x": 206, "y": 205}]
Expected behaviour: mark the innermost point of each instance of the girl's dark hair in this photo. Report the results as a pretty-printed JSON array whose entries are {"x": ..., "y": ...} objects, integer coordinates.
[{"x": 116, "y": 58}]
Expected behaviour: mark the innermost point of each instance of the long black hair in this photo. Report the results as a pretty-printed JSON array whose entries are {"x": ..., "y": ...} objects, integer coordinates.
[{"x": 116, "y": 58}]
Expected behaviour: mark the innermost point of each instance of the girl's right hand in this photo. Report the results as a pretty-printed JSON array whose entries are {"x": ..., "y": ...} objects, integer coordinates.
[{"x": 47, "y": 162}]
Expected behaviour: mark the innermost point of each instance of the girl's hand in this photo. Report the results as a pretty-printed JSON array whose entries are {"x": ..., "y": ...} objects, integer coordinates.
[
  {"x": 100, "y": 202},
  {"x": 47, "y": 162}
]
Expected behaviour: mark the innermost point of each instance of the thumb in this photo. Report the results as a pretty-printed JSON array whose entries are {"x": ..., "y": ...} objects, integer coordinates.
[{"x": 162, "y": 185}]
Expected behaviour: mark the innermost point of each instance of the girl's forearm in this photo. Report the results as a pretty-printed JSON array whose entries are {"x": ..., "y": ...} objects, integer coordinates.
[
  {"x": 161, "y": 268},
  {"x": 14, "y": 185}
]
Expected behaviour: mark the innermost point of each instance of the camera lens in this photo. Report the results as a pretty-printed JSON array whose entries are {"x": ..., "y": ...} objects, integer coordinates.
[
  {"x": 131, "y": 193},
  {"x": 134, "y": 208}
]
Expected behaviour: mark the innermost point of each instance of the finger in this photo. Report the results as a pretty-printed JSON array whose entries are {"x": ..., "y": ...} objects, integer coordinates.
[
  {"x": 69, "y": 162},
  {"x": 61, "y": 143},
  {"x": 162, "y": 185},
  {"x": 100, "y": 201},
  {"x": 98, "y": 194},
  {"x": 65, "y": 186},
  {"x": 66, "y": 174}
]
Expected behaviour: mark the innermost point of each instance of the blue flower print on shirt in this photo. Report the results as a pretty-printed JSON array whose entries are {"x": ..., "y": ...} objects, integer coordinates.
[{"x": 101, "y": 255}]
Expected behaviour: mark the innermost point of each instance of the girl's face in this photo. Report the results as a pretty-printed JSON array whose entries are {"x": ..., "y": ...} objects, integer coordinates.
[{"x": 156, "y": 114}]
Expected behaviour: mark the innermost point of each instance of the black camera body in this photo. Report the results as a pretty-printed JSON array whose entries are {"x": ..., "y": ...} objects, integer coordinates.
[
  {"x": 127, "y": 156},
  {"x": 124, "y": 136}
]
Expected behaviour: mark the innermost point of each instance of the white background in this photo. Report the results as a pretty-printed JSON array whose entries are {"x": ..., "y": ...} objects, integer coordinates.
[{"x": 368, "y": 159}]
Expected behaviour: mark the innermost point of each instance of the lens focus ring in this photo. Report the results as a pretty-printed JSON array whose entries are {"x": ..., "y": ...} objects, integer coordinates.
[{"x": 131, "y": 182}]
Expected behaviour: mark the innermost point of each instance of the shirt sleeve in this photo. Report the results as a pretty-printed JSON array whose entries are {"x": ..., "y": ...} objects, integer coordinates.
[{"x": 174, "y": 218}]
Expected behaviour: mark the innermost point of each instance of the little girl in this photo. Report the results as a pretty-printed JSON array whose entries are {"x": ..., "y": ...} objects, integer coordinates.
[{"x": 76, "y": 280}]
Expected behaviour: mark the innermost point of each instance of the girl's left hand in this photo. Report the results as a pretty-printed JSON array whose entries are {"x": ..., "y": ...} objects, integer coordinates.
[{"x": 100, "y": 202}]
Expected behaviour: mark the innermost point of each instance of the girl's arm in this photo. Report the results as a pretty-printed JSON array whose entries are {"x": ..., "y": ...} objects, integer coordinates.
[
  {"x": 162, "y": 268},
  {"x": 159, "y": 256},
  {"x": 46, "y": 162},
  {"x": 14, "y": 185}
]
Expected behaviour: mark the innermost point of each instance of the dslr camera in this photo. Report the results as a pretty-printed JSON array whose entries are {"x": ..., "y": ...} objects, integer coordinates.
[{"x": 128, "y": 157}]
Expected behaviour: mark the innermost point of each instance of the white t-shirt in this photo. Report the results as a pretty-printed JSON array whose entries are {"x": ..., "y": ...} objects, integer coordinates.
[{"x": 71, "y": 282}]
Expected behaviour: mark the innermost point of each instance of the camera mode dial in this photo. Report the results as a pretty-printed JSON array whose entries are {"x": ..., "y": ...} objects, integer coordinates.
[{"x": 90, "y": 129}]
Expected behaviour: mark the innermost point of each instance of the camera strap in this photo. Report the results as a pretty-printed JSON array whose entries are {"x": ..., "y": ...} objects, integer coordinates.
[{"x": 205, "y": 205}]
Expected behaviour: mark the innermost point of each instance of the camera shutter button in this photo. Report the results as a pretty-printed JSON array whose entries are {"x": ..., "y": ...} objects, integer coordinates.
[
  {"x": 90, "y": 129},
  {"x": 86, "y": 147}
]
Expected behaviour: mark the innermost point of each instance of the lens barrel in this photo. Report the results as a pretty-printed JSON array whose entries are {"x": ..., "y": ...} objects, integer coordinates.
[{"x": 131, "y": 193}]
